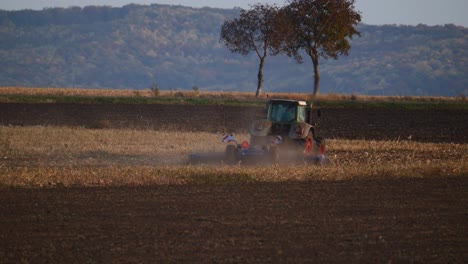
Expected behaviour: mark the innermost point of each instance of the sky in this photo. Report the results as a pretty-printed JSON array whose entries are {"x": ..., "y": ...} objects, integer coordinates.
[{"x": 374, "y": 12}]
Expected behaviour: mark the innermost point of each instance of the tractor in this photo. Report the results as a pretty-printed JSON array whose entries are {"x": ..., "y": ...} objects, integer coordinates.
[{"x": 287, "y": 133}]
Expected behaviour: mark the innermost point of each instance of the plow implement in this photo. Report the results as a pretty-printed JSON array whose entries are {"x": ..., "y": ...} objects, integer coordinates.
[{"x": 275, "y": 153}]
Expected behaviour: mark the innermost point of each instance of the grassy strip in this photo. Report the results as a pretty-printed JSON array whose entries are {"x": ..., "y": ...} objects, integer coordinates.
[
  {"x": 411, "y": 105},
  {"x": 322, "y": 103},
  {"x": 34, "y": 99},
  {"x": 110, "y": 96}
]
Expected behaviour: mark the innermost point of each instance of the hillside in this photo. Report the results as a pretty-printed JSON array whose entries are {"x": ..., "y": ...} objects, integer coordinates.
[{"x": 178, "y": 47}]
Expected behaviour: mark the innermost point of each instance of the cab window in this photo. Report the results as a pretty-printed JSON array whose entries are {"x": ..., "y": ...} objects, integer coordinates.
[
  {"x": 301, "y": 114},
  {"x": 282, "y": 112}
]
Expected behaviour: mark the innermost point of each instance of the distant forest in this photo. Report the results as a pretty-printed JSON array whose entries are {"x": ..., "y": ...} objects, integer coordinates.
[{"x": 178, "y": 48}]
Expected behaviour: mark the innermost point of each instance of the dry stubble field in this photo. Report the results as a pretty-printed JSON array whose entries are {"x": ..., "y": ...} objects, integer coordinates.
[
  {"x": 108, "y": 195},
  {"x": 49, "y": 156}
]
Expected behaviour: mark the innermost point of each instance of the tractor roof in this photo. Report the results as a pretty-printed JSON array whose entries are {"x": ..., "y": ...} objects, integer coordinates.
[{"x": 289, "y": 101}]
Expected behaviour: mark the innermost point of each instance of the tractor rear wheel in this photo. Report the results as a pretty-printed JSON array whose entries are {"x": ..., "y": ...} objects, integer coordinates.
[
  {"x": 309, "y": 144},
  {"x": 320, "y": 144}
]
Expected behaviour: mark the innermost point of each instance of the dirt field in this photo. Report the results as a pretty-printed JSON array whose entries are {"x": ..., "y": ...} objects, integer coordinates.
[
  {"x": 378, "y": 221},
  {"x": 379, "y": 124},
  {"x": 383, "y": 219}
]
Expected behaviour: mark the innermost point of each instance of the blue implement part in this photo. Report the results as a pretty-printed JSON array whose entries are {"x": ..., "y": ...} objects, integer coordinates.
[{"x": 252, "y": 152}]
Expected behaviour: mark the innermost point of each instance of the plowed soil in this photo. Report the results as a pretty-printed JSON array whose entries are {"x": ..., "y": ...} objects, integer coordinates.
[
  {"x": 426, "y": 125},
  {"x": 370, "y": 221},
  {"x": 382, "y": 220}
]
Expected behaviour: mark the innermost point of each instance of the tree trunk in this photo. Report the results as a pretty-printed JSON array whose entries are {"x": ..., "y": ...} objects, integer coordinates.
[
  {"x": 316, "y": 75},
  {"x": 260, "y": 77}
]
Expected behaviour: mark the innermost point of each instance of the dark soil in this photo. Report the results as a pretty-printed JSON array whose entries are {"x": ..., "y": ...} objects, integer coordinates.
[
  {"x": 360, "y": 221},
  {"x": 426, "y": 125}
]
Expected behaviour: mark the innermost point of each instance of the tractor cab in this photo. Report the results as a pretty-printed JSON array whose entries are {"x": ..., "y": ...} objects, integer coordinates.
[
  {"x": 287, "y": 119},
  {"x": 286, "y": 111}
]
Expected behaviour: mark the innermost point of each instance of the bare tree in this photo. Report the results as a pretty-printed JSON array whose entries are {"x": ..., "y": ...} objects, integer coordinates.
[
  {"x": 253, "y": 31},
  {"x": 320, "y": 28}
]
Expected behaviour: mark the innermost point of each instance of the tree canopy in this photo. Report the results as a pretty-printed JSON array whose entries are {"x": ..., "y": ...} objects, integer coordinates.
[
  {"x": 320, "y": 28},
  {"x": 255, "y": 31}
]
